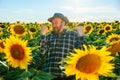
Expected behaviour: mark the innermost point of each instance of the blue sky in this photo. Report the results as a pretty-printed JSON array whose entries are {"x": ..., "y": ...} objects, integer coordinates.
[{"x": 75, "y": 10}]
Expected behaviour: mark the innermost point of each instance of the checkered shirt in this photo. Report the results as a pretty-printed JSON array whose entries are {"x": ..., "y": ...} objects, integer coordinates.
[{"x": 56, "y": 47}]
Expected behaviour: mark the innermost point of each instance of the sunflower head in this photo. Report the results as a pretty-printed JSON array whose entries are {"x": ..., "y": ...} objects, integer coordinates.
[
  {"x": 116, "y": 22},
  {"x": 18, "y": 29},
  {"x": 108, "y": 28},
  {"x": 33, "y": 30},
  {"x": 70, "y": 24},
  {"x": 102, "y": 23},
  {"x": 114, "y": 47},
  {"x": 88, "y": 64},
  {"x": 88, "y": 28},
  {"x": 2, "y": 47},
  {"x": 1, "y": 32},
  {"x": 101, "y": 32},
  {"x": 2, "y": 26},
  {"x": 114, "y": 27},
  {"x": 113, "y": 38},
  {"x": 17, "y": 52}
]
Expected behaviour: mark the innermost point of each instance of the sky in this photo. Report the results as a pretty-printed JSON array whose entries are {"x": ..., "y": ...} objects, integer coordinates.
[{"x": 74, "y": 10}]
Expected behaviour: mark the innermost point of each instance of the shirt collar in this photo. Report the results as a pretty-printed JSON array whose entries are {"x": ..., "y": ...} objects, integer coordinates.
[{"x": 63, "y": 32}]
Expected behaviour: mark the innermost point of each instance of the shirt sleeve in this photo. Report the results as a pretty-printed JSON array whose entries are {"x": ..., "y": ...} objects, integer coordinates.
[
  {"x": 79, "y": 42},
  {"x": 42, "y": 44}
]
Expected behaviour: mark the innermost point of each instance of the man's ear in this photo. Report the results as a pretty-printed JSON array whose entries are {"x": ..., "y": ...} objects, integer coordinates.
[{"x": 63, "y": 23}]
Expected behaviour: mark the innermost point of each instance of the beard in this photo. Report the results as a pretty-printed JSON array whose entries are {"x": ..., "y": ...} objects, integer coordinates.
[{"x": 58, "y": 30}]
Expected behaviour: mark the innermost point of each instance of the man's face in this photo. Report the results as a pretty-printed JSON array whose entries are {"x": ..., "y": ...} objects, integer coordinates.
[{"x": 57, "y": 25}]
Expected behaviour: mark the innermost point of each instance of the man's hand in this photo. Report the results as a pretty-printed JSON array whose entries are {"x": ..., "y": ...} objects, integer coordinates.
[
  {"x": 80, "y": 30},
  {"x": 44, "y": 30}
]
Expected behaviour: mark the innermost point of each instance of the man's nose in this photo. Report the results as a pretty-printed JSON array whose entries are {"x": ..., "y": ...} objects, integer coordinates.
[{"x": 54, "y": 26}]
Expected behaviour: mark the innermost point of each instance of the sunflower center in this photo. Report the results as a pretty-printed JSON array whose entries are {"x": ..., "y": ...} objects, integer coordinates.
[
  {"x": 88, "y": 28},
  {"x": 17, "y": 52},
  {"x": 2, "y": 45},
  {"x": 101, "y": 31},
  {"x": 89, "y": 63},
  {"x": 114, "y": 27},
  {"x": 114, "y": 39},
  {"x": 32, "y": 29},
  {"x": 19, "y": 29},
  {"x": 107, "y": 28},
  {"x": 0, "y": 31},
  {"x": 2, "y": 26},
  {"x": 114, "y": 47}
]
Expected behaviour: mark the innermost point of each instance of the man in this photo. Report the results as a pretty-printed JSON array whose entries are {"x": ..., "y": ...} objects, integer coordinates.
[{"x": 57, "y": 44}]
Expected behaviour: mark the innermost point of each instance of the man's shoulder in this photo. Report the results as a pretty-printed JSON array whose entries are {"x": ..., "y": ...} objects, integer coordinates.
[
  {"x": 50, "y": 34},
  {"x": 71, "y": 32}
]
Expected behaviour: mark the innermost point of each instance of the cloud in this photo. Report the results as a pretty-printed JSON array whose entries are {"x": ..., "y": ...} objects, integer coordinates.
[
  {"x": 91, "y": 6},
  {"x": 24, "y": 11},
  {"x": 91, "y": 10},
  {"x": 95, "y": 18},
  {"x": 99, "y": 9}
]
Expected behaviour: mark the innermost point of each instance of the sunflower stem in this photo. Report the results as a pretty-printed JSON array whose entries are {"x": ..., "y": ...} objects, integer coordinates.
[{"x": 26, "y": 71}]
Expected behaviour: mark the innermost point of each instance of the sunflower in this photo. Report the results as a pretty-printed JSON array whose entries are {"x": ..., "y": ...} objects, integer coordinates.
[
  {"x": 114, "y": 47},
  {"x": 1, "y": 32},
  {"x": 8, "y": 29},
  {"x": 49, "y": 28},
  {"x": 31, "y": 32},
  {"x": 2, "y": 26},
  {"x": 17, "y": 53},
  {"x": 101, "y": 32},
  {"x": 108, "y": 28},
  {"x": 2, "y": 45},
  {"x": 112, "y": 38},
  {"x": 116, "y": 22},
  {"x": 88, "y": 28},
  {"x": 114, "y": 27},
  {"x": 102, "y": 23},
  {"x": 18, "y": 29},
  {"x": 88, "y": 64},
  {"x": 71, "y": 24},
  {"x": 49, "y": 25}
]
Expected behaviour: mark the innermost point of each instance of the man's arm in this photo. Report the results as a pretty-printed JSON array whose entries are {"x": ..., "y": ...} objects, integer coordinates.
[
  {"x": 80, "y": 30},
  {"x": 80, "y": 37},
  {"x": 42, "y": 41}
]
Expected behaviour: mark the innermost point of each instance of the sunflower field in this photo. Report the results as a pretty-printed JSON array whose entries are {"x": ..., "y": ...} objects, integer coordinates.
[{"x": 21, "y": 59}]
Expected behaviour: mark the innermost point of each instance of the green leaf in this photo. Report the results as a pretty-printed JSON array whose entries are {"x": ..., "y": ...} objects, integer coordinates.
[
  {"x": 118, "y": 78},
  {"x": 26, "y": 74},
  {"x": 112, "y": 75}
]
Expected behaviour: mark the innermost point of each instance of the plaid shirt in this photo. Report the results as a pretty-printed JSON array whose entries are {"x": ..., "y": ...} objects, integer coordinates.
[{"x": 56, "y": 47}]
